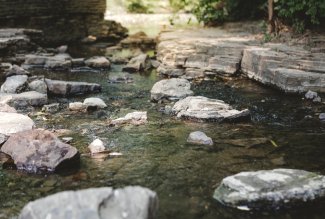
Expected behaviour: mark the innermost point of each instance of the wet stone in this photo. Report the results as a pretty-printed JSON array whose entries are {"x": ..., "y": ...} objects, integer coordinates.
[
  {"x": 11, "y": 123},
  {"x": 199, "y": 138},
  {"x": 270, "y": 189},
  {"x": 15, "y": 84},
  {"x": 135, "y": 118},
  {"x": 66, "y": 88},
  {"x": 97, "y": 203}
]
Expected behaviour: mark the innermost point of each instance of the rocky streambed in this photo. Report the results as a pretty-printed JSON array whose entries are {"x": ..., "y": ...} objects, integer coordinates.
[{"x": 147, "y": 134}]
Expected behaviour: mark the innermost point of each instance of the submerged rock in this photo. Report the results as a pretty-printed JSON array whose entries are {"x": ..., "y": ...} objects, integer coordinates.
[
  {"x": 205, "y": 109},
  {"x": 270, "y": 189},
  {"x": 15, "y": 84},
  {"x": 66, "y": 88},
  {"x": 39, "y": 151},
  {"x": 120, "y": 79},
  {"x": 97, "y": 203},
  {"x": 199, "y": 138},
  {"x": 135, "y": 118},
  {"x": 98, "y": 62},
  {"x": 11, "y": 123},
  {"x": 97, "y": 146},
  {"x": 173, "y": 89}
]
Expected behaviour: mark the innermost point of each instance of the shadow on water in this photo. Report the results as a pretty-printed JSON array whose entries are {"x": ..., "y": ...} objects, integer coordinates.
[{"x": 157, "y": 155}]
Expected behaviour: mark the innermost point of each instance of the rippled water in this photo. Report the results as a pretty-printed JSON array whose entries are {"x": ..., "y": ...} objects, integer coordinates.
[{"x": 157, "y": 156}]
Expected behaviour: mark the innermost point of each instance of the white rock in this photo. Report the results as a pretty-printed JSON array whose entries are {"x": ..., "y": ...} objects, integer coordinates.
[
  {"x": 94, "y": 102},
  {"x": 77, "y": 106},
  {"x": 199, "y": 138},
  {"x": 11, "y": 123},
  {"x": 135, "y": 118},
  {"x": 97, "y": 146}
]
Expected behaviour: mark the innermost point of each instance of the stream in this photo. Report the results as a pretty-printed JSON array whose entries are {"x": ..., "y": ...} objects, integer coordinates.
[{"x": 157, "y": 156}]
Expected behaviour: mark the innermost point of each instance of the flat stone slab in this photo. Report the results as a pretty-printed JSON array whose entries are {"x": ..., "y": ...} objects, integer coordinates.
[
  {"x": 270, "y": 189},
  {"x": 32, "y": 98},
  {"x": 96, "y": 203},
  {"x": 11, "y": 123},
  {"x": 172, "y": 89},
  {"x": 135, "y": 118},
  {"x": 66, "y": 88},
  {"x": 38, "y": 151},
  {"x": 205, "y": 109}
]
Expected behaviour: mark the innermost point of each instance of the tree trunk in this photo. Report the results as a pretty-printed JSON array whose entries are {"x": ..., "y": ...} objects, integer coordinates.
[{"x": 271, "y": 26}]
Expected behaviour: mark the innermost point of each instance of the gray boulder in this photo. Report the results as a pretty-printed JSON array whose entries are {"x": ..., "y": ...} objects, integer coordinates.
[
  {"x": 95, "y": 203},
  {"x": 173, "y": 89},
  {"x": 138, "y": 63},
  {"x": 16, "y": 70},
  {"x": 66, "y": 88},
  {"x": 199, "y": 138},
  {"x": 38, "y": 86},
  {"x": 205, "y": 109},
  {"x": 38, "y": 151},
  {"x": 15, "y": 84},
  {"x": 11, "y": 123},
  {"x": 98, "y": 62},
  {"x": 270, "y": 189},
  {"x": 30, "y": 98}
]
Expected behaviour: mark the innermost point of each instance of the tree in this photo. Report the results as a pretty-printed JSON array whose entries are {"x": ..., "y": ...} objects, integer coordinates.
[{"x": 271, "y": 26}]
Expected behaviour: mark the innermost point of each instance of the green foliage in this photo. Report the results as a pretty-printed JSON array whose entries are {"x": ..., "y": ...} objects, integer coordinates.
[
  {"x": 217, "y": 11},
  {"x": 301, "y": 13},
  {"x": 186, "y": 5},
  {"x": 137, "y": 6}
]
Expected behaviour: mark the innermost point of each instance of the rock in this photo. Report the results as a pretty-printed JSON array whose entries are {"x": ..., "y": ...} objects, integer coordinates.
[
  {"x": 135, "y": 118},
  {"x": 94, "y": 103},
  {"x": 199, "y": 138},
  {"x": 170, "y": 71},
  {"x": 59, "y": 62},
  {"x": 36, "y": 60},
  {"x": 172, "y": 89},
  {"x": 39, "y": 151},
  {"x": 310, "y": 95},
  {"x": 322, "y": 117},
  {"x": 97, "y": 203},
  {"x": 62, "y": 49},
  {"x": 66, "y": 88},
  {"x": 67, "y": 139},
  {"x": 3, "y": 139},
  {"x": 120, "y": 79},
  {"x": 155, "y": 63},
  {"x": 317, "y": 100},
  {"x": 51, "y": 108},
  {"x": 79, "y": 62},
  {"x": 97, "y": 146},
  {"x": 11, "y": 123},
  {"x": 77, "y": 106},
  {"x": 6, "y": 108},
  {"x": 16, "y": 70},
  {"x": 98, "y": 62},
  {"x": 270, "y": 189},
  {"x": 38, "y": 86},
  {"x": 15, "y": 84},
  {"x": 205, "y": 109},
  {"x": 30, "y": 98},
  {"x": 138, "y": 63}
]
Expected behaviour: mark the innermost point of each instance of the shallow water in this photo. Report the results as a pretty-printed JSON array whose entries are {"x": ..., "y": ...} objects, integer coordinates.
[{"x": 157, "y": 156}]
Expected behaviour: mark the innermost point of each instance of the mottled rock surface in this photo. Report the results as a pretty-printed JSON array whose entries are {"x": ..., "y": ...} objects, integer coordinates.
[
  {"x": 98, "y": 62},
  {"x": 38, "y": 151},
  {"x": 66, "y": 88},
  {"x": 138, "y": 63},
  {"x": 270, "y": 189},
  {"x": 94, "y": 102},
  {"x": 30, "y": 98},
  {"x": 11, "y": 123},
  {"x": 173, "y": 89},
  {"x": 205, "y": 109},
  {"x": 96, "y": 203}
]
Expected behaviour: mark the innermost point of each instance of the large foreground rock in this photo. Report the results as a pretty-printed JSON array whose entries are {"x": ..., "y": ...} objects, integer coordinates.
[
  {"x": 173, "y": 89},
  {"x": 11, "y": 123},
  {"x": 99, "y": 203},
  {"x": 31, "y": 98},
  {"x": 205, "y": 109},
  {"x": 270, "y": 189},
  {"x": 39, "y": 151},
  {"x": 67, "y": 88}
]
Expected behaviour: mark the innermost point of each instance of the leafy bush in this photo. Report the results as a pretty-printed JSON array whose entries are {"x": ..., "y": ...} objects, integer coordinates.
[
  {"x": 217, "y": 11},
  {"x": 137, "y": 6},
  {"x": 301, "y": 13}
]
